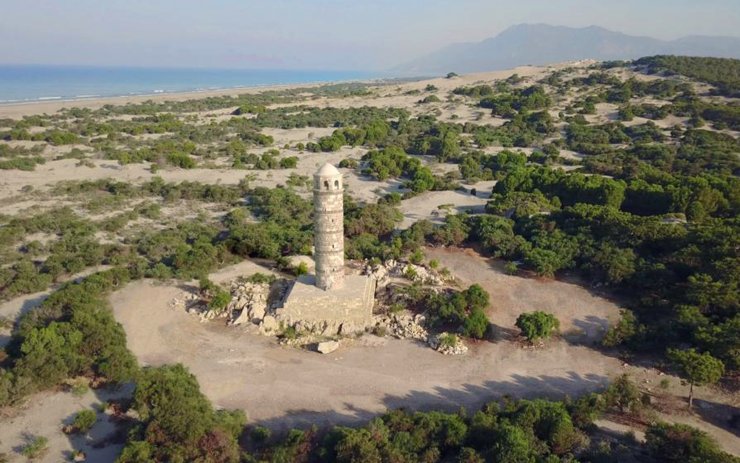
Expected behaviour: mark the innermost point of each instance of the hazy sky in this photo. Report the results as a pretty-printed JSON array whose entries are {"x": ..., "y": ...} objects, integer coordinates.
[{"x": 313, "y": 34}]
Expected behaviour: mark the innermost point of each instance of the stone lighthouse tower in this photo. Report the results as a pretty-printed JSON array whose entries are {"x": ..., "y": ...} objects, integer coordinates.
[
  {"x": 328, "y": 227},
  {"x": 332, "y": 302}
]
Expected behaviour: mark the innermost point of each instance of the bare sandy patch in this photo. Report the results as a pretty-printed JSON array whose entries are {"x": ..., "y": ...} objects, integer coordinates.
[
  {"x": 435, "y": 205},
  {"x": 44, "y": 415},
  {"x": 583, "y": 314}
]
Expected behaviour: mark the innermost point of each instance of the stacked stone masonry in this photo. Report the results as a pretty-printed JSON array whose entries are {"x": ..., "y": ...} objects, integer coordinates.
[{"x": 328, "y": 227}]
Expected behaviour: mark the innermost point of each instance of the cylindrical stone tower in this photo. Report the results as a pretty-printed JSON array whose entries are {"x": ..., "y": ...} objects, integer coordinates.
[{"x": 328, "y": 203}]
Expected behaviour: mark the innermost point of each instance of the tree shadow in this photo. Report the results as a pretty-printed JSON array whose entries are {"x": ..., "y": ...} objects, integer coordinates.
[
  {"x": 27, "y": 305},
  {"x": 626, "y": 450},
  {"x": 502, "y": 333},
  {"x": 105, "y": 440},
  {"x": 385, "y": 186},
  {"x": 323, "y": 420},
  {"x": 591, "y": 331},
  {"x": 468, "y": 396},
  {"x": 27, "y": 440},
  {"x": 723, "y": 416},
  {"x": 188, "y": 288},
  {"x": 32, "y": 303},
  {"x": 472, "y": 209}
]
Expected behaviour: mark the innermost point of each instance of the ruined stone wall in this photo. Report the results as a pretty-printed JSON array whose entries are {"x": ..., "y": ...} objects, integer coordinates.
[{"x": 328, "y": 228}]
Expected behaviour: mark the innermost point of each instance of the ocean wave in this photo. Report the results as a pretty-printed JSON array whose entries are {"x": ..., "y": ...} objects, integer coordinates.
[
  {"x": 87, "y": 96},
  {"x": 44, "y": 98}
]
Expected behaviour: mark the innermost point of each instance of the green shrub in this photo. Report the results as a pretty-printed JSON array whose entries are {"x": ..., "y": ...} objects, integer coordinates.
[
  {"x": 177, "y": 421},
  {"x": 348, "y": 164},
  {"x": 537, "y": 325},
  {"x": 182, "y": 160},
  {"x": 430, "y": 99},
  {"x": 79, "y": 388},
  {"x": 216, "y": 297},
  {"x": 448, "y": 340},
  {"x": 260, "y": 434},
  {"x": 623, "y": 396},
  {"x": 35, "y": 448},
  {"x": 84, "y": 421},
  {"x": 476, "y": 324},
  {"x": 289, "y": 332},
  {"x": 680, "y": 443},
  {"x": 301, "y": 269}
]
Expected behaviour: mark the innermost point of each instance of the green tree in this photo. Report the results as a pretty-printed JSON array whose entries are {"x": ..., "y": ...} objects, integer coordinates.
[
  {"x": 511, "y": 445},
  {"x": 178, "y": 422},
  {"x": 50, "y": 354},
  {"x": 680, "y": 443},
  {"x": 623, "y": 395},
  {"x": 476, "y": 324},
  {"x": 537, "y": 325},
  {"x": 358, "y": 446},
  {"x": 698, "y": 369},
  {"x": 477, "y": 297}
]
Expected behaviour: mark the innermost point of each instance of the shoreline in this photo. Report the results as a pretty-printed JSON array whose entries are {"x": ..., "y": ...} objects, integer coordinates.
[
  {"x": 59, "y": 99},
  {"x": 19, "y": 109}
]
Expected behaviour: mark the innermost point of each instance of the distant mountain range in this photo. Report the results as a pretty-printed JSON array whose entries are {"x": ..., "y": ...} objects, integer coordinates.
[{"x": 539, "y": 44}]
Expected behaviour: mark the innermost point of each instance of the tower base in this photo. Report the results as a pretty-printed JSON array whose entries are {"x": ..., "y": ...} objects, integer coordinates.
[{"x": 345, "y": 310}]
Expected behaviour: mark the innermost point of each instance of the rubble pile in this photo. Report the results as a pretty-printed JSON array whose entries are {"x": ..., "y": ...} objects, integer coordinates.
[
  {"x": 248, "y": 303},
  {"x": 402, "y": 326},
  {"x": 383, "y": 273},
  {"x": 442, "y": 344}
]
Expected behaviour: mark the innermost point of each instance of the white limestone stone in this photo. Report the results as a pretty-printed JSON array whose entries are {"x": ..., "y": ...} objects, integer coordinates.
[
  {"x": 328, "y": 199},
  {"x": 327, "y": 347},
  {"x": 269, "y": 325}
]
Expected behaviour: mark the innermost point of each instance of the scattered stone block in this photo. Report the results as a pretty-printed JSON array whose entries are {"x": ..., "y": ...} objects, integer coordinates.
[
  {"x": 269, "y": 325},
  {"x": 327, "y": 347}
]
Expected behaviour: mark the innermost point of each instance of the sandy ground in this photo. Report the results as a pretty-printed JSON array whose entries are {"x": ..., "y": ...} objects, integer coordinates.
[
  {"x": 584, "y": 315},
  {"x": 18, "y": 110},
  {"x": 13, "y": 309},
  {"x": 11, "y": 182},
  {"x": 427, "y": 205},
  {"x": 280, "y": 386},
  {"x": 49, "y": 173},
  {"x": 283, "y": 387}
]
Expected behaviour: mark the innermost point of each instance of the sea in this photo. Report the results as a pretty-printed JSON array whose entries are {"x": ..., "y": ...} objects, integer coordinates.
[{"x": 26, "y": 83}]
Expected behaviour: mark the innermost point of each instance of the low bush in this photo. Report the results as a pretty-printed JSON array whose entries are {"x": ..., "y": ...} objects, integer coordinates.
[{"x": 537, "y": 325}]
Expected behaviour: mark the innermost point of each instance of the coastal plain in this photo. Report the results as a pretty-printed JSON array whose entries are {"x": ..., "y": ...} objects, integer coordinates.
[{"x": 278, "y": 386}]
